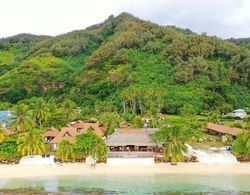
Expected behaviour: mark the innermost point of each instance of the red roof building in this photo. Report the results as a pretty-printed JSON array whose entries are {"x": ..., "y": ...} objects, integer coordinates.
[
  {"x": 70, "y": 131},
  {"x": 50, "y": 134},
  {"x": 233, "y": 131}
]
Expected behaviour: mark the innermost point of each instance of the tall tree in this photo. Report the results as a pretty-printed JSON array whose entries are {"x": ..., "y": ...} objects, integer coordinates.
[
  {"x": 40, "y": 111},
  {"x": 31, "y": 143},
  {"x": 213, "y": 117},
  {"x": 110, "y": 120},
  {"x": 66, "y": 151},
  {"x": 69, "y": 109},
  {"x": 21, "y": 118},
  {"x": 246, "y": 138},
  {"x": 188, "y": 111},
  {"x": 137, "y": 122},
  {"x": 99, "y": 149},
  {"x": 241, "y": 145},
  {"x": 3, "y": 135},
  {"x": 173, "y": 142},
  {"x": 91, "y": 144}
]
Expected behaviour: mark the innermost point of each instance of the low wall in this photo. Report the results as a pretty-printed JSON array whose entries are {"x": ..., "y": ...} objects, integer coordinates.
[{"x": 130, "y": 161}]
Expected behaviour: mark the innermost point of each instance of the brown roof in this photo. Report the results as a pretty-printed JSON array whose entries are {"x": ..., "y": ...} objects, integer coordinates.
[
  {"x": 123, "y": 137},
  {"x": 84, "y": 126},
  {"x": 67, "y": 133},
  {"x": 71, "y": 130},
  {"x": 224, "y": 129},
  {"x": 51, "y": 132}
]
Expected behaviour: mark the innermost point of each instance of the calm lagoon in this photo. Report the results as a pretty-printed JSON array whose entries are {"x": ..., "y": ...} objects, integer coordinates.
[{"x": 133, "y": 184}]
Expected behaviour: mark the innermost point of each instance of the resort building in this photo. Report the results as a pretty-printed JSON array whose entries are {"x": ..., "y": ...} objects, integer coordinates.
[
  {"x": 50, "y": 134},
  {"x": 70, "y": 131},
  {"x": 82, "y": 127},
  {"x": 131, "y": 146},
  {"x": 221, "y": 129}
]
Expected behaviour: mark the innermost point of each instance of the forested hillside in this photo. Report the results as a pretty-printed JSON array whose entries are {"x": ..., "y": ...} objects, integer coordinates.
[
  {"x": 129, "y": 66},
  {"x": 245, "y": 42}
]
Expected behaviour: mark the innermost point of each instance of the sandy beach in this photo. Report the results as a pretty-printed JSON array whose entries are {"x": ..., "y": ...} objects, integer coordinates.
[{"x": 77, "y": 169}]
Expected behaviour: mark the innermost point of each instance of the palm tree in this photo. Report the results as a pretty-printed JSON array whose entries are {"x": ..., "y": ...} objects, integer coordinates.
[
  {"x": 21, "y": 118},
  {"x": 40, "y": 111},
  {"x": 246, "y": 138},
  {"x": 175, "y": 149},
  {"x": 31, "y": 143},
  {"x": 66, "y": 151},
  {"x": 241, "y": 146},
  {"x": 173, "y": 142},
  {"x": 3, "y": 135},
  {"x": 137, "y": 122},
  {"x": 99, "y": 149},
  {"x": 69, "y": 109},
  {"x": 110, "y": 120},
  {"x": 214, "y": 117}
]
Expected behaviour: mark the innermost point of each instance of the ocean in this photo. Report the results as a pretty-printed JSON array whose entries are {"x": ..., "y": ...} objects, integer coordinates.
[{"x": 130, "y": 184}]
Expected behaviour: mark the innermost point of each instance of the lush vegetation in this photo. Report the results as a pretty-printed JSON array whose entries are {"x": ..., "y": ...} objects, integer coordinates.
[
  {"x": 121, "y": 69},
  {"x": 242, "y": 145},
  {"x": 87, "y": 144},
  {"x": 241, "y": 41},
  {"x": 126, "y": 65},
  {"x": 173, "y": 142}
]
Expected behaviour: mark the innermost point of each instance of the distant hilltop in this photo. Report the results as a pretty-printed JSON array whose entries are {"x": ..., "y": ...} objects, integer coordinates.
[{"x": 160, "y": 68}]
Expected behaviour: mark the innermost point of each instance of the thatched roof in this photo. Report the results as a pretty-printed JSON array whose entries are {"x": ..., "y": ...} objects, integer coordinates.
[{"x": 130, "y": 136}]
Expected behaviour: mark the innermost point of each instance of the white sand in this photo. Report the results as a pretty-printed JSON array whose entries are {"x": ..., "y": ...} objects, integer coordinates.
[{"x": 18, "y": 171}]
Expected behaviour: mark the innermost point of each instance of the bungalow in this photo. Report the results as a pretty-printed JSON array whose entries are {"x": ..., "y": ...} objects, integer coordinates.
[
  {"x": 131, "y": 146},
  {"x": 70, "y": 131},
  {"x": 50, "y": 134},
  {"x": 82, "y": 127},
  {"x": 221, "y": 129}
]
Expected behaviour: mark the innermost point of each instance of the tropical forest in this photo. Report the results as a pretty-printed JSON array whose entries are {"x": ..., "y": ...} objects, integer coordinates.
[{"x": 123, "y": 69}]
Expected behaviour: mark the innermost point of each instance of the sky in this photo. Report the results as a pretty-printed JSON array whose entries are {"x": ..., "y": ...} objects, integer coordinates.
[{"x": 223, "y": 18}]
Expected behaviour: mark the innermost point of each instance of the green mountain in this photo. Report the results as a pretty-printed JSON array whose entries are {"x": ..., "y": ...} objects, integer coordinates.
[
  {"x": 245, "y": 42},
  {"x": 127, "y": 65}
]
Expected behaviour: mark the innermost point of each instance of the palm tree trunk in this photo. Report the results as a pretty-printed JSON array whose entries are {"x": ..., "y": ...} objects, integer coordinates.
[{"x": 40, "y": 123}]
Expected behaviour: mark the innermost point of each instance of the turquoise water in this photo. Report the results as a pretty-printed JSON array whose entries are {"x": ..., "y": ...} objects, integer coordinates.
[{"x": 135, "y": 185}]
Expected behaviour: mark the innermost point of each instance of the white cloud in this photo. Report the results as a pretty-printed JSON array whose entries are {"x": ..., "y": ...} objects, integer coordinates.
[
  {"x": 50, "y": 16},
  {"x": 224, "y": 18}
]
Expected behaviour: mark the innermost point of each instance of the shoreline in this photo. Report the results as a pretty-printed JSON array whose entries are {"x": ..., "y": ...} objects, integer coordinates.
[{"x": 79, "y": 169}]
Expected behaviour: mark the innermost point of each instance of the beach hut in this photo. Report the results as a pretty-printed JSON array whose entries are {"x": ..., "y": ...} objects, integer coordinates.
[{"x": 131, "y": 145}]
